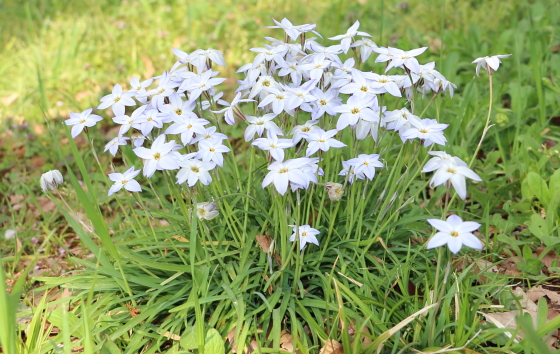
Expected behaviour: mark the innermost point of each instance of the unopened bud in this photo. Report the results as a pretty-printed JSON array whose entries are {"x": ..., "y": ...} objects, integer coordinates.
[{"x": 51, "y": 180}]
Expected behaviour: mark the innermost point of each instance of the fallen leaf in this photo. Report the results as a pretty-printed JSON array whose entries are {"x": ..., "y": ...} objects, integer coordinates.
[
  {"x": 37, "y": 161},
  {"x": 264, "y": 242},
  {"x": 332, "y": 347},
  {"x": 509, "y": 266},
  {"x": 8, "y": 100},
  {"x": 524, "y": 300},
  {"x": 537, "y": 292},
  {"x": 286, "y": 342}
]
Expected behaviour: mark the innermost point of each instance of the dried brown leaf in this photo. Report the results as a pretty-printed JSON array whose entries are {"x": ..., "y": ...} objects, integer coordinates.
[{"x": 332, "y": 347}]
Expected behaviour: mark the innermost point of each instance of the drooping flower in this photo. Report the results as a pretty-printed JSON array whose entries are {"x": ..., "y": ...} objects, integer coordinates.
[
  {"x": 125, "y": 180},
  {"x": 491, "y": 64},
  {"x": 81, "y": 120},
  {"x": 306, "y": 234},
  {"x": 51, "y": 180},
  {"x": 206, "y": 211},
  {"x": 230, "y": 110},
  {"x": 455, "y": 233},
  {"x": 334, "y": 190}
]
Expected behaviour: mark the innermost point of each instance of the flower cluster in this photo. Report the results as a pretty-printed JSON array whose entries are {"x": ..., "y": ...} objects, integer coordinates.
[{"x": 307, "y": 97}]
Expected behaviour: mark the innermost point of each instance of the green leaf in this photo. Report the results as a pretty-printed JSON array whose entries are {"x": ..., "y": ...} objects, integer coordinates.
[
  {"x": 538, "y": 187},
  {"x": 188, "y": 339},
  {"x": 539, "y": 228},
  {"x": 531, "y": 266},
  {"x": 213, "y": 343},
  {"x": 109, "y": 347},
  {"x": 554, "y": 183}
]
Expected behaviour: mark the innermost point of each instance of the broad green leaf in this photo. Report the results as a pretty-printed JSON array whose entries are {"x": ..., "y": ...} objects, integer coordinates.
[
  {"x": 188, "y": 339},
  {"x": 213, "y": 343},
  {"x": 538, "y": 187}
]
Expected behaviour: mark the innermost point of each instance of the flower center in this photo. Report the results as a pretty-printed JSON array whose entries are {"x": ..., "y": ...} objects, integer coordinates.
[
  {"x": 280, "y": 97},
  {"x": 364, "y": 88},
  {"x": 212, "y": 149},
  {"x": 323, "y": 102},
  {"x": 273, "y": 146},
  {"x": 202, "y": 211},
  {"x": 150, "y": 119},
  {"x": 83, "y": 121},
  {"x": 321, "y": 140},
  {"x": 383, "y": 81},
  {"x": 284, "y": 170},
  {"x": 124, "y": 182},
  {"x": 366, "y": 163},
  {"x": 179, "y": 112},
  {"x": 424, "y": 131},
  {"x": 266, "y": 83},
  {"x": 304, "y": 234},
  {"x": 305, "y": 129},
  {"x": 454, "y": 234},
  {"x": 157, "y": 156},
  {"x": 117, "y": 99},
  {"x": 189, "y": 126},
  {"x": 195, "y": 169},
  {"x": 450, "y": 170},
  {"x": 260, "y": 123},
  {"x": 355, "y": 111}
]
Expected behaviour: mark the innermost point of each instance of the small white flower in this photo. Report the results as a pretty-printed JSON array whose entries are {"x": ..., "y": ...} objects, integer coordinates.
[
  {"x": 439, "y": 156},
  {"x": 298, "y": 130},
  {"x": 366, "y": 47},
  {"x": 51, "y": 180},
  {"x": 127, "y": 122},
  {"x": 282, "y": 173},
  {"x": 322, "y": 140},
  {"x": 428, "y": 130},
  {"x": 212, "y": 150},
  {"x": 259, "y": 125},
  {"x": 399, "y": 57},
  {"x": 193, "y": 171},
  {"x": 206, "y": 211},
  {"x": 81, "y": 120},
  {"x": 346, "y": 39},
  {"x": 231, "y": 109},
  {"x": 273, "y": 145},
  {"x": 125, "y": 180},
  {"x": 353, "y": 110},
  {"x": 450, "y": 170},
  {"x": 365, "y": 164},
  {"x": 118, "y": 100},
  {"x": 157, "y": 157},
  {"x": 491, "y": 64},
  {"x": 455, "y": 233},
  {"x": 306, "y": 234},
  {"x": 113, "y": 145}
]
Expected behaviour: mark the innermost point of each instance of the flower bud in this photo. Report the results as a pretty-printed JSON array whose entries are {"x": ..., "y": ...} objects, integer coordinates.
[
  {"x": 334, "y": 190},
  {"x": 9, "y": 234},
  {"x": 206, "y": 211},
  {"x": 51, "y": 180}
]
